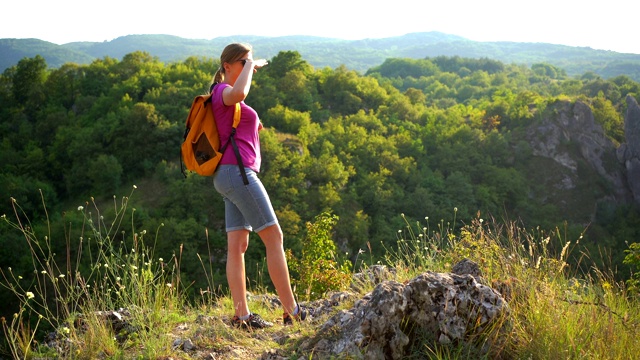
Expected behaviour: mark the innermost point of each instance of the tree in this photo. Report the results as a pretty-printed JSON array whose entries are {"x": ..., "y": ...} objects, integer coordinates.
[
  {"x": 105, "y": 173},
  {"x": 285, "y": 62},
  {"x": 606, "y": 115},
  {"x": 402, "y": 68},
  {"x": 63, "y": 85},
  {"x": 28, "y": 83},
  {"x": 286, "y": 120},
  {"x": 345, "y": 92},
  {"x": 142, "y": 139}
]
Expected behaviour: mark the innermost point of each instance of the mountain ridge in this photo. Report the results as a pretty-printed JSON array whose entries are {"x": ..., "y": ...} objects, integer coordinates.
[{"x": 359, "y": 55}]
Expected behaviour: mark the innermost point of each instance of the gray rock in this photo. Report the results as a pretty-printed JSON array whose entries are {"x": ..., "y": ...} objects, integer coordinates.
[
  {"x": 576, "y": 166},
  {"x": 447, "y": 307},
  {"x": 630, "y": 151},
  {"x": 468, "y": 267}
]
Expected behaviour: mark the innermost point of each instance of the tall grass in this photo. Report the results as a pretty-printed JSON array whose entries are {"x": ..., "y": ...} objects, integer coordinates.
[
  {"x": 105, "y": 267},
  {"x": 556, "y": 310}
]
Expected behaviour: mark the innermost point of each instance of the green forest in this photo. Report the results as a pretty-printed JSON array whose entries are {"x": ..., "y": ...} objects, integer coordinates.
[{"x": 437, "y": 141}]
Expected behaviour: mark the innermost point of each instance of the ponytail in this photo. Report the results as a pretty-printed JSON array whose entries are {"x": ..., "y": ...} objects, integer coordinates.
[{"x": 218, "y": 77}]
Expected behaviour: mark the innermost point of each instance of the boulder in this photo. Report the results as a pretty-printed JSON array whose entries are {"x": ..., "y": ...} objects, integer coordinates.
[{"x": 441, "y": 308}]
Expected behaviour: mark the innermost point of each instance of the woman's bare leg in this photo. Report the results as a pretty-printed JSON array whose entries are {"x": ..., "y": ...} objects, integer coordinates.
[
  {"x": 277, "y": 266},
  {"x": 237, "y": 243}
]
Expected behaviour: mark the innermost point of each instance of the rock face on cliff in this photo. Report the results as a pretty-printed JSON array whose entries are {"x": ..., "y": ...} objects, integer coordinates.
[
  {"x": 577, "y": 166},
  {"x": 629, "y": 152},
  {"x": 443, "y": 307}
]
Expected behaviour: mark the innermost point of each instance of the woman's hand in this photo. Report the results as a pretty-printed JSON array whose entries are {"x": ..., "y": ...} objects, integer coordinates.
[{"x": 258, "y": 63}]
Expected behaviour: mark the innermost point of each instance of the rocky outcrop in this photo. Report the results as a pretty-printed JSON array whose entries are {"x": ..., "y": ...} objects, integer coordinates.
[
  {"x": 629, "y": 152},
  {"x": 443, "y": 307},
  {"x": 576, "y": 168},
  {"x": 433, "y": 308},
  {"x": 572, "y": 137}
]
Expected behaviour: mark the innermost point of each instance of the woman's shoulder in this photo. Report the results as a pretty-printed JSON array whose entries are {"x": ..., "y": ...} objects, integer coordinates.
[{"x": 219, "y": 87}]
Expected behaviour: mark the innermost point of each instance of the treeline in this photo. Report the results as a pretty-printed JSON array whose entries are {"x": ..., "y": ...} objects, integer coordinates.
[{"x": 434, "y": 139}]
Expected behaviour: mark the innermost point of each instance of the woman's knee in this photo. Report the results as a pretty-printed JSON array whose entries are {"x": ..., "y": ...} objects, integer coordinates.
[
  {"x": 272, "y": 235},
  {"x": 238, "y": 241}
]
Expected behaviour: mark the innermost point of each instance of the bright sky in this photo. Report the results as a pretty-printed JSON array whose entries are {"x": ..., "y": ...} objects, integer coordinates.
[{"x": 607, "y": 25}]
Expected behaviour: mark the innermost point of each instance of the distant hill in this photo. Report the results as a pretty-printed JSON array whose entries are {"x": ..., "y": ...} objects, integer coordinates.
[{"x": 359, "y": 55}]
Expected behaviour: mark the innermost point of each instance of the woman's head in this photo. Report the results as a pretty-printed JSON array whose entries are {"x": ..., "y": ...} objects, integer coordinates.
[{"x": 230, "y": 54}]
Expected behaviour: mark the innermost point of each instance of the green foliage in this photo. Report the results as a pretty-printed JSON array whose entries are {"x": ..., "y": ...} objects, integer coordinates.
[
  {"x": 549, "y": 71},
  {"x": 402, "y": 68},
  {"x": 418, "y": 137},
  {"x": 319, "y": 268},
  {"x": 555, "y": 310},
  {"x": 606, "y": 115},
  {"x": 28, "y": 82},
  {"x": 105, "y": 174},
  {"x": 633, "y": 259},
  {"x": 287, "y": 120},
  {"x": 94, "y": 265}
]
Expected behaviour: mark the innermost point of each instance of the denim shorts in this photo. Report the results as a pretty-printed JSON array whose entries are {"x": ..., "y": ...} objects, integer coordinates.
[{"x": 245, "y": 206}]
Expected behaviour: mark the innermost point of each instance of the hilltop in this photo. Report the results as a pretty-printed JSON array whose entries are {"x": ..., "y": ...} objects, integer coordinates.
[{"x": 359, "y": 55}]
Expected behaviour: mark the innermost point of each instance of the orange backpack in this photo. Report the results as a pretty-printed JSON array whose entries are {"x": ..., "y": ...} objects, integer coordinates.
[{"x": 200, "y": 150}]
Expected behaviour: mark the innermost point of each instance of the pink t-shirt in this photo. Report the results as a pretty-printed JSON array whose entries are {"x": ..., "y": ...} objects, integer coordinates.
[{"x": 246, "y": 134}]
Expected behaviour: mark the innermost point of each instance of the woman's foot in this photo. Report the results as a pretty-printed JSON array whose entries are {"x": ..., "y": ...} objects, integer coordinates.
[
  {"x": 301, "y": 315},
  {"x": 253, "y": 322}
]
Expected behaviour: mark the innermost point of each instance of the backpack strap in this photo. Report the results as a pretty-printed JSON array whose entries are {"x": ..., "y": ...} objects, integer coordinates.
[{"x": 236, "y": 150}]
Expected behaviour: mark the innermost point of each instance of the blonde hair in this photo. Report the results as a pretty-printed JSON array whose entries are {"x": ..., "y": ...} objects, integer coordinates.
[{"x": 231, "y": 53}]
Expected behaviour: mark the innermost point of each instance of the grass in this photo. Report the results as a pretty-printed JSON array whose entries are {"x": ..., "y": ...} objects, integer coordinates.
[{"x": 556, "y": 311}]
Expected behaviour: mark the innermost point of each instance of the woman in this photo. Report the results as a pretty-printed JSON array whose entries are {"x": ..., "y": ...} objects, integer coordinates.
[{"x": 247, "y": 207}]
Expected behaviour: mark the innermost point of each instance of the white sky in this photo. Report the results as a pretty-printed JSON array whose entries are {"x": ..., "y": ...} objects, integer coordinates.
[{"x": 606, "y": 25}]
